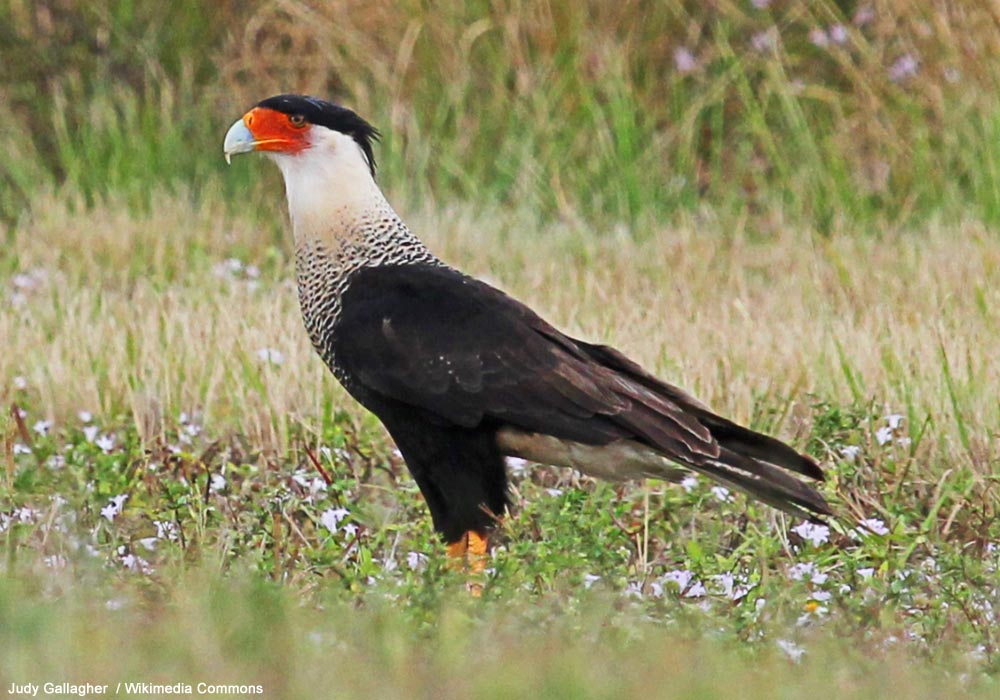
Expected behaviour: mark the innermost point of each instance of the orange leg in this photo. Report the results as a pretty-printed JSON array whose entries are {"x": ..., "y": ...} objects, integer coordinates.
[{"x": 469, "y": 554}]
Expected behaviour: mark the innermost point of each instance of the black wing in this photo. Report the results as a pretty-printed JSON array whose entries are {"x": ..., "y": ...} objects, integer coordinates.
[
  {"x": 435, "y": 339},
  {"x": 465, "y": 353}
]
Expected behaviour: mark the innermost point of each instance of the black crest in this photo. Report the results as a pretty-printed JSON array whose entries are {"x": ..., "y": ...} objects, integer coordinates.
[{"x": 323, "y": 113}]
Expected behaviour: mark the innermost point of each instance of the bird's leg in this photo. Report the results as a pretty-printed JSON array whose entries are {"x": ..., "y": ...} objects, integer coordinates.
[{"x": 469, "y": 554}]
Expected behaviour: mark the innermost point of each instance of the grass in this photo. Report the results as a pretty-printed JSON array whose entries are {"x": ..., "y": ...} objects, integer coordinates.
[
  {"x": 786, "y": 209},
  {"x": 240, "y": 560},
  {"x": 841, "y": 116}
]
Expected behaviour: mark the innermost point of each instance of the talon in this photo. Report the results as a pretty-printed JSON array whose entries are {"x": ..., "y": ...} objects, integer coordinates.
[{"x": 469, "y": 554}]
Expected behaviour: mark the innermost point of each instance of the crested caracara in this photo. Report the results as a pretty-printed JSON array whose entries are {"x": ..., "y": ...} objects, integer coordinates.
[{"x": 462, "y": 375}]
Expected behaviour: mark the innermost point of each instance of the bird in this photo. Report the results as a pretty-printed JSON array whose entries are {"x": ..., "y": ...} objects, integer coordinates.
[{"x": 462, "y": 375}]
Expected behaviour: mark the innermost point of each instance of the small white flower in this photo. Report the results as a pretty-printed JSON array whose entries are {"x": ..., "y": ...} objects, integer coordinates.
[
  {"x": 132, "y": 562},
  {"x": 270, "y": 355},
  {"x": 684, "y": 60},
  {"x": 554, "y": 492},
  {"x": 689, "y": 483},
  {"x": 733, "y": 587},
  {"x": 314, "y": 485},
  {"x": 864, "y": 15},
  {"x": 875, "y": 526},
  {"x": 814, "y": 614},
  {"x": 838, "y": 34},
  {"x": 85, "y": 416},
  {"x": 894, "y": 420},
  {"x": 633, "y": 590},
  {"x": 820, "y": 596},
  {"x": 812, "y": 532},
  {"x": 682, "y": 577},
  {"x": 350, "y": 529},
  {"x": 765, "y": 41},
  {"x": 416, "y": 561},
  {"x": 792, "y": 650},
  {"x": 339, "y": 513},
  {"x": 166, "y": 529},
  {"x": 105, "y": 442},
  {"x": 906, "y": 66},
  {"x": 149, "y": 543},
  {"x": 218, "y": 483},
  {"x": 722, "y": 493},
  {"x": 20, "y": 449},
  {"x": 25, "y": 514},
  {"x": 55, "y": 462},
  {"x": 696, "y": 590},
  {"x": 807, "y": 571},
  {"x": 20, "y": 383},
  {"x": 850, "y": 452},
  {"x": 883, "y": 435},
  {"x": 818, "y": 37},
  {"x": 114, "y": 507},
  {"x": 90, "y": 432},
  {"x": 42, "y": 427},
  {"x": 331, "y": 518},
  {"x": 590, "y": 579},
  {"x": 29, "y": 281}
]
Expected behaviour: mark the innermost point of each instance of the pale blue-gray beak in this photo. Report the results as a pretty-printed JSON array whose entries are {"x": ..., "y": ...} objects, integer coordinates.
[{"x": 238, "y": 140}]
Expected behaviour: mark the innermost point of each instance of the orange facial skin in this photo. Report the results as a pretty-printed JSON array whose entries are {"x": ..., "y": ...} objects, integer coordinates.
[{"x": 277, "y": 131}]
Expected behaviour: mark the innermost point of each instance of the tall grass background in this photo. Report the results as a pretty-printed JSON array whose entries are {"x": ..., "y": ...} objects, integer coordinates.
[{"x": 833, "y": 115}]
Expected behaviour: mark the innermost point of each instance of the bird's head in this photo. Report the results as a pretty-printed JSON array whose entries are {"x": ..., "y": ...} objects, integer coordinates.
[{"x": 295, "y": 129}]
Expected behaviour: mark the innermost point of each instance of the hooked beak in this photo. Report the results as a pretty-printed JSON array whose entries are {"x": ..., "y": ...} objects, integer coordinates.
[{"x": 239, "y": 139}]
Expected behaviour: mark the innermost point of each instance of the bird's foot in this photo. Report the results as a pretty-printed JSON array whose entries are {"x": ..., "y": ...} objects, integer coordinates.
[{"x": 469, "y": 554}]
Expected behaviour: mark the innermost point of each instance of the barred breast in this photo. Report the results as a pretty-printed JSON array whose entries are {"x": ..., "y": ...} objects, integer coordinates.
[{"x": 325, "y": 265}]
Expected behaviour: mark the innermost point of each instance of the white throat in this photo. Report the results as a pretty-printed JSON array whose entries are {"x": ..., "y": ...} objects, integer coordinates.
[{"x": 330, "y": 188}]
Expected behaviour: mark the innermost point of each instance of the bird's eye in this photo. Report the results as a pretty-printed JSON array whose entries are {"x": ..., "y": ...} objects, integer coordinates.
[{"x": 297, "y": 120}]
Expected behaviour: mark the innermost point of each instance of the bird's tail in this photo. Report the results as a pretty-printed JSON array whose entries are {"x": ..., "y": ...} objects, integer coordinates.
[
  {"x": 767, "y": 483},
  {"x": 747, "y": 460},
  {"x": 755, "y": 463}
]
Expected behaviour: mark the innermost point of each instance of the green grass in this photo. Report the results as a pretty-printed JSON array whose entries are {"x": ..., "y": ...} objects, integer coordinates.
[
  {"x": 270, "y": 535},
  {"x": 573, "y": 110},
  {"x": 238, "y": 581},
  {"x": 252, "y": 632},
  {"x": 225, "y": 559}
]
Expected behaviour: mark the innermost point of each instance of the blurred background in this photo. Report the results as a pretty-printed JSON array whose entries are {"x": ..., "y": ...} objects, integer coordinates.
[{"x": 848, "y": 115}]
